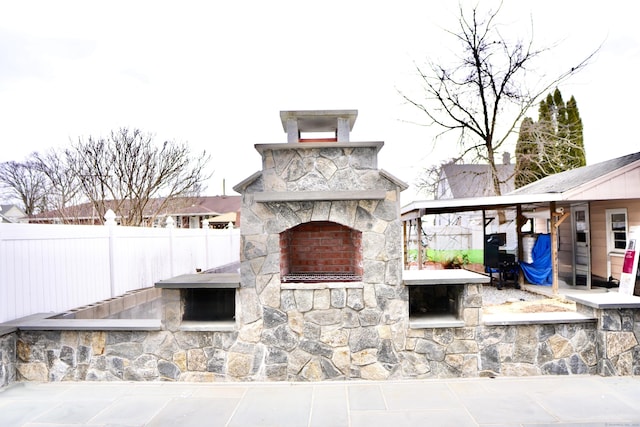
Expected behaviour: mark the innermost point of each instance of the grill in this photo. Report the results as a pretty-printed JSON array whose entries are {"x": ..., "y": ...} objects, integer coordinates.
[{"x": 321, "y": 277}]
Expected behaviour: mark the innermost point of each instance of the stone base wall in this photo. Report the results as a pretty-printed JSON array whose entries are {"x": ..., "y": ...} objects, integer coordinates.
[
  {"x": 8, "y": 359},
  {"x": 618, "y": 342},
  {"x": 221, "y": 356},
  {"x": 561, "y": 349},
  {"x": 330, "y": 343},
  {"x": 554, "y": 349}
]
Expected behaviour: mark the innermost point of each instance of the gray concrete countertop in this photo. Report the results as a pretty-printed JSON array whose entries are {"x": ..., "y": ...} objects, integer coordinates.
[
  {"x": 201, "y": 280},
  {"x": 606, "y": 300},
  {"x": 442, "y": 277}
]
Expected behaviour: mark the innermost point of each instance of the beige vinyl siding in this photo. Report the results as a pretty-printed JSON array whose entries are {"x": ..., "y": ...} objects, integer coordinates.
[{"x": 599, "y": 255}]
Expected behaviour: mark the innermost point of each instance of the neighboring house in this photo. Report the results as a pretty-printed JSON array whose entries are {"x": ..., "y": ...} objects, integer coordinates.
[
  {"x": 604, "y": 202},
  {"x": 12, "y": 214},
  {"x": 593, "y": 209},
  {"x": 192, "y": 212},
  {"x": 457, "y": 231},
  {"x": 474, "y": 180}
]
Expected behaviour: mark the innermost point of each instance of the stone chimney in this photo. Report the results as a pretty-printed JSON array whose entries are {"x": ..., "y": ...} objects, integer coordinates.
[{"x": 506, "y": 158}]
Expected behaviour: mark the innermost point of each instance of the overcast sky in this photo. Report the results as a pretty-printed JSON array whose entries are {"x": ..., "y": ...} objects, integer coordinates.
[{"x": 217, "y": 74}]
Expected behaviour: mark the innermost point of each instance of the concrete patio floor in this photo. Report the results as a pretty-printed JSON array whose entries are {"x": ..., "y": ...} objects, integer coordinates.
[{"x": 528, "y": 401}]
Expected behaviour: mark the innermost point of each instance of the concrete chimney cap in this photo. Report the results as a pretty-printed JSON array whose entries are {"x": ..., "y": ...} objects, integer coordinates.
[{"x": 318, "y": 120}]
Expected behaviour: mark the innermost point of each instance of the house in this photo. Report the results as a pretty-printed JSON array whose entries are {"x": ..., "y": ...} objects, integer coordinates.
[
  {"x": 474, "y": 180},
  {"x": 187, "y": 212},
  {"x": 12, "y": 214},
  {"x": 588, "y": 212},
  {"x": 448, "y": 233},
  {"x": 603, "y": 200}
]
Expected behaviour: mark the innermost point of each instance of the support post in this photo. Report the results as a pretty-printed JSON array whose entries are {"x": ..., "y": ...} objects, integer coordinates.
[
  {"x": 519, "y": 225},
  {"x": 419, "y": 237},
  {"x": 554, "y": 246}
]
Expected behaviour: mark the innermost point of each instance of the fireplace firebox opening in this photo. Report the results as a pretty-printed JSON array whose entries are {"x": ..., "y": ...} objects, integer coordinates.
[{"x": 320, "y": 251}]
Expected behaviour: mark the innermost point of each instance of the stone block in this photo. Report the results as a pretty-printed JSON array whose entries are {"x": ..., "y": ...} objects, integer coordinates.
[
  {"x": 471, "y": 316},
  {"x": 239, "y": 364},
  {"x": 338, "y": 298},
  {"x": 36, "y": 371},
  {"x": 374, "y": 372},
  {"x": 321, "y": 299},
  {"x": 251, "y": 332},
  {"x": 560, "y": 347},
  {"x": 334, "y": 337},
  {"x": 355, "y": 299},
  {"x": 196, "y": 360},
  {"x": 304, "y": 300},
  {"x": 619, "y": 342}
]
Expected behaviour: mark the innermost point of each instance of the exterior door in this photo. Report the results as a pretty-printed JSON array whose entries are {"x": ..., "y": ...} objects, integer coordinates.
[{"x": 581, "y": 250}]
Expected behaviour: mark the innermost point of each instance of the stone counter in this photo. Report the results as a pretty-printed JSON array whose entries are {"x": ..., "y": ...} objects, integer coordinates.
[
  {"x": 444, "y": 298},
  {"x": 618, "y": 325}
]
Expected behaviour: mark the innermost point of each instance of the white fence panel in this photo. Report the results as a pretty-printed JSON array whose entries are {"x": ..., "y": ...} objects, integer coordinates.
[
  {"x": 46, "y": 268},
  {"x": 54, "y": 268}
]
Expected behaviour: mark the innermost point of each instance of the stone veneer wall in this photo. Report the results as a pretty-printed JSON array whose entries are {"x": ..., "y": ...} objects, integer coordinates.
[
  {"x": 342, "y": 350},
  {"x": 561, "y": 349},
  {"x": 8, "y": 359}
]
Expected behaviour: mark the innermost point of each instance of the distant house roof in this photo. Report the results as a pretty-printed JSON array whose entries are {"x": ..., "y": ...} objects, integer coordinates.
[
  {"x": 11, "y": 213},
  {"x": 566, "y": 181},
  {"x": 184, "y": 206},
  {"x": 473, "y": 180}
]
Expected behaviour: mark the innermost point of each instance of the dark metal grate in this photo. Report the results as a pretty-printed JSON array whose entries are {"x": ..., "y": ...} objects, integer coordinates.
[{"x": 321, "y": 277}]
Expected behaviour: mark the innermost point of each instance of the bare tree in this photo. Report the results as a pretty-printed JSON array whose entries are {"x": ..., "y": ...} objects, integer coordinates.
[
  {"x": 431, "y": 180},
  {"x": 62, "y": 184},
  {"x": 136, "y": 178},
  {"x": 24, "y": 182},
  {"x": 484, "y": 95}
]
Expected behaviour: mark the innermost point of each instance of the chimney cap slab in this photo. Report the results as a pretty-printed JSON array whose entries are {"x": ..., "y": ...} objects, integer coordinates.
[{"x": 318, "y": 120}]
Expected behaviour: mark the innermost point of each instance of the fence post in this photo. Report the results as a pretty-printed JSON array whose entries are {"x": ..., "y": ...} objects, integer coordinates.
[
  {"x": 170, "y": 225},
  {"x": 110, "y": 221}
]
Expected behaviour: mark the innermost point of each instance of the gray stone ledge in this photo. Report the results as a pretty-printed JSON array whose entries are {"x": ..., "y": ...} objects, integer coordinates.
[
  {"x": 201, "y": 280},
  {"x": 506, "y": 319},
  {"x": 321, "y": 285},
  {"x": 217, "y": 326},
  {"x": 6, "y": 330},
  {"x": 442, "y": 277},
  {"x": 435, "y": 321},
  {"x": 90, "y": 325},
  {"x": 310, "y": 196},
  {"x": 611, "y": 300},
  {"x": 261, "y": 148}
]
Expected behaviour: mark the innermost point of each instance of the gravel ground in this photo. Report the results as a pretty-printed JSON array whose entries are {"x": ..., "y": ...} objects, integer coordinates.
[{"x": 492, "y": 296}]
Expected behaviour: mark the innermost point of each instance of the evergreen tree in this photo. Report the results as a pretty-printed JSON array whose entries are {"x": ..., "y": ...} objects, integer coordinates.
[
  {"x": 575, "y": 153},
  {"x": 527, "y": 155},
  {"x": 557, "y": 136}
]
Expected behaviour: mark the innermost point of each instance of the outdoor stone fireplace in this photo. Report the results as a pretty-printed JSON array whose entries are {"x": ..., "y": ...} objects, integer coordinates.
[{"x": 321, "y": 257}]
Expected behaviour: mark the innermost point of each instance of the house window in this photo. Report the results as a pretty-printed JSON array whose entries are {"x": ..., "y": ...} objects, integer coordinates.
[{"x": 616, "y": 230}]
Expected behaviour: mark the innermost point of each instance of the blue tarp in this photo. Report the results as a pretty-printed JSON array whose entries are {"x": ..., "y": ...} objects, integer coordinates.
[{"x": 539, "y": 272}]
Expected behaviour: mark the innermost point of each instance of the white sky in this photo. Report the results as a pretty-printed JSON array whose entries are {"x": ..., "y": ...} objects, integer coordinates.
[{"x": 217, "y": 74}]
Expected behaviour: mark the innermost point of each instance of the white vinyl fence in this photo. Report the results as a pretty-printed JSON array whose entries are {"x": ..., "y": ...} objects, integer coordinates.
[{"x": 54, "y": 268}]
